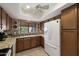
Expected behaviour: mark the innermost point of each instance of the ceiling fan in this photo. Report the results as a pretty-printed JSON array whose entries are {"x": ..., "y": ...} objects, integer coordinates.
[
  {"x": 39, "y": 6},
  {"x": 36, "y": 11}
]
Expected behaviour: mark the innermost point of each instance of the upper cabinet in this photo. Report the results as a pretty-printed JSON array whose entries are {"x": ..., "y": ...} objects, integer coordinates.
[
  {"x": 8, "y": 22},
  {"x": 3, "y": 20},
  {"x": 0, "y": 17},
  {"x": 69, "y": 18}
]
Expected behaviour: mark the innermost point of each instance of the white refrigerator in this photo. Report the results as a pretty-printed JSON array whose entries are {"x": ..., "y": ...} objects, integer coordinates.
[{"x": 52, "y": 37}]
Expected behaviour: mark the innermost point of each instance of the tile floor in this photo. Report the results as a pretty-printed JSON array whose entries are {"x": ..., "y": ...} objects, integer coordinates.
[{"x": 39, "y": 51}]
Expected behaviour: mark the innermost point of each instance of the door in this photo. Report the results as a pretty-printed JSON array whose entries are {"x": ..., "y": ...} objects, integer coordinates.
[
  {"x": 42, "y": 41},
  {"x": 33, "y": 42},
  {"x": 0, "y": 17},
  {"x": 69, "y": 43},
  {"x": 69, "y": 18},
  {"x": 26, "y": 43},
  {"x": 3, "y": 20},
  {"x": 38, "y": 41},
  {"x": 19, "y": 44},
  {"x": 78, "y": 41}
]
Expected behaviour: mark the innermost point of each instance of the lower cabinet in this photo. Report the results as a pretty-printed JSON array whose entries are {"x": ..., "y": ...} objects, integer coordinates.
[
  {"x": 78, "y": 41},
  {"x": 38, "y": 41},
  {"x": 27, "y": 43},
  {"x": 42, "y": 41},
  {"x": 33, "y": 42},
  {"x": 69, "y": 43},
  {"x": 19, "y": 44}
]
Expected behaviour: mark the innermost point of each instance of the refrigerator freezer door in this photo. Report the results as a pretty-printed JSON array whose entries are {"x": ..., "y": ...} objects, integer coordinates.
[
  {"x": 52, "y": 36},
  {"x": 52, "y": 32},
  {"x": 52, "y": 50}
]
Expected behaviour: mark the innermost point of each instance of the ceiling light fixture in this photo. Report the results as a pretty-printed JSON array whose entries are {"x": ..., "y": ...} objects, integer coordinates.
[{"x": 27, "y": 6}]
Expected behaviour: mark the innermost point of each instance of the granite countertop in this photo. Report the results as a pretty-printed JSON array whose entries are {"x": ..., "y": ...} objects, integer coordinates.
[
  {"x": 11, "y": 40},
  {"x": 7, "y": 43},
  {"x": 30, "y": 36}
]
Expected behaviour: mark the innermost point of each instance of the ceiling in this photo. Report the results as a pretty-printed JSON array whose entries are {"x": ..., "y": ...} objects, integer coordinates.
[{"x": 22, "y": 10}]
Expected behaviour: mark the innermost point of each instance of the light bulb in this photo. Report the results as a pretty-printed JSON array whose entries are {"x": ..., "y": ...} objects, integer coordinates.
[{"x": 27, "y": 6}]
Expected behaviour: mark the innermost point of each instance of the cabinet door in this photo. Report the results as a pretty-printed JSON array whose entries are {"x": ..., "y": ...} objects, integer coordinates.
[
  {"x": 69, "y": 43},
  {"x": 33, "y": 42},
  {"x": 26, "y": 43},
  {"x": 8, "y": 23},
  {"x": 0, "y": 17},
  {"x": 3, "y": 20},
  {"x": 78, "y": 16},
  {"x": 19, "y": 44},
  {"x": 78, "y": 41},
  {"x": 69, "y": 18},
  {"x": 42, "y": 41},
  {"x": 38, "y": 41}
]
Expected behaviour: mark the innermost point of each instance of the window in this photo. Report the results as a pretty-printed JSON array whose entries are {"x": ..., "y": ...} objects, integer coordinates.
[
  {"x": 32, "y": 29},
  {"x": 27, "y": 29},
  {"x": 23, "y": 30}
]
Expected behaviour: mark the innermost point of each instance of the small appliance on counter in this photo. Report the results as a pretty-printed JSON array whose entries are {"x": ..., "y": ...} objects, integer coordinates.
[{"x": 2, "y": 36}]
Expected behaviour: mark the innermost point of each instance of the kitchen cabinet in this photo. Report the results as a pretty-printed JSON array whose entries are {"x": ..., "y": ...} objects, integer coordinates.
[
  {"x": 26, "y": 43},
  {"x": 69, "y": 43},
  {"x": 78, "y": 41},
  {"x": 19, "y": 44},
  {"x": 42, "y": 41},
  {"x": 33, "y": 42},
  {"x": 3, "y": 20},
  {"x": 9, "y": 22},
  {"x": 69, "y": 18},
  {"x": 0, "y": 17},
  {"x": 78, "y": 29},
  {"x": 38, "y": 40},
  {"x": 69, "y": 31}
]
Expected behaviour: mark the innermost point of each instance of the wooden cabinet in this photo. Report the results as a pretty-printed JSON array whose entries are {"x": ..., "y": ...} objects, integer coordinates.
[
  {"x": 9, "y": 22},
  {"x": 3, "y": 20},
  {"x": 33, "y": 42},
  {"x": 0, "y": 17},
  {"x": 69, "y": 43},
  {"x": 69, "y": 34},
  {"x": 78, "y": 41},
  {"x": 38, "y": 41},
  {"x": 42, "y": 41},
  {"x": 19, "y": 44},
  {"x": 69, "y": 18},
  {"x": 78, "y": 15},
  {"x": 26, "y": 43}
]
